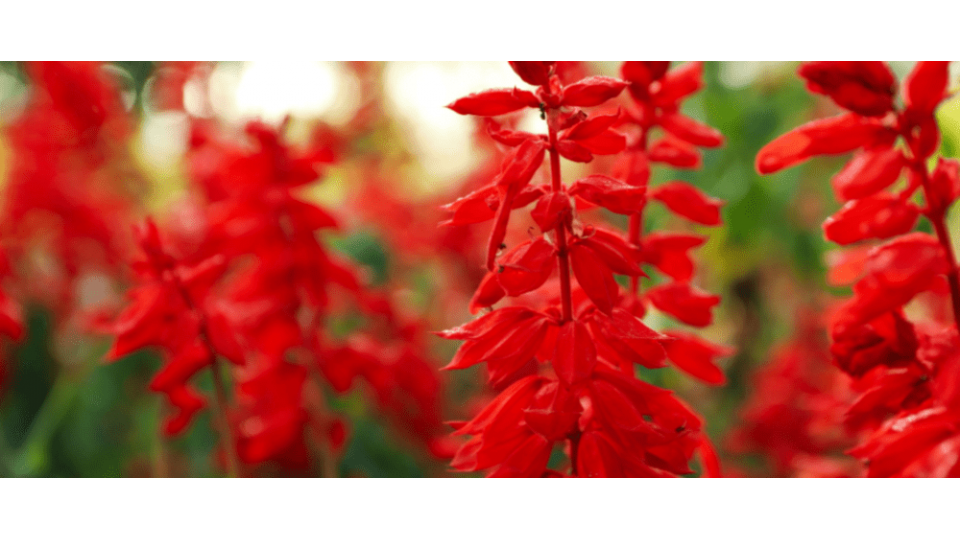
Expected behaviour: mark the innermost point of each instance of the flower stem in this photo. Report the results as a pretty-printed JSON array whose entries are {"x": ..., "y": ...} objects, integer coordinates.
[
  {"x": 6, "y": 469},
  {"x": 220, "y": 404},
  {"x": 937, "y": 217},
  {"x": 953, "y": 278},
  {"x": 562, "y": 255},
  {"x": 219, "y": 391},
  {"x": 635, "y": 227}
]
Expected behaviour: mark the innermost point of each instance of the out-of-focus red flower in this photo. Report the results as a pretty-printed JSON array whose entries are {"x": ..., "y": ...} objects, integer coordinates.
[
  {"x": 171, "y": 310},
  {"x": 903, "y": 369},
  {"x": 70, "y": 180}
]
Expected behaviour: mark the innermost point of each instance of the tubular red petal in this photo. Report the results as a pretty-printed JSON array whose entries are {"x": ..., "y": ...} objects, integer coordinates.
[
  {"x": 594, "y": 277},
  {"x": 691, "y": 131},
  {"x": 836, "y": 135},
  {"x": 535, "y": 73},
  {"x": 687, "y": 201},
  {"x": 868, "y": 172},
  {"x": 925, "y": 87},
  {"x": 575, "y": 355},
  {"x": 880, "y": 216},
  {"x": 592, "y": 91},
  {"x": 495, "y": 102},
  {"x": 684, "y": 302}
]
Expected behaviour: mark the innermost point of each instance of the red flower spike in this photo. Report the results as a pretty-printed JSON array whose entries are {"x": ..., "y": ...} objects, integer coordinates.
[
  {"x": 534, "y": 73},
  {"x": 696, "y": 356},
  {"x": 836, "y": 135},
  {"x": 592, "y": 91},
  {"x": 880, "y": 216},
  {"x": 526, "y": 267},
  {"x": 594, "y": 277},
  {"x": 164, "y": 314},
  {"x": 495, "y": 102},
  {"x": 925, "y": 87},
  {"x": 868, "y": 172},
  {"x": 575, "y": 354},
  {"x": 903, "y": 373},
  {"x": 866, "y": 88},
  {"x": 610, "y": 193},
  {"x": 684, "y": 302},
  {"x": 687, "y": 201},
  {"x": 611, "y": 423}
]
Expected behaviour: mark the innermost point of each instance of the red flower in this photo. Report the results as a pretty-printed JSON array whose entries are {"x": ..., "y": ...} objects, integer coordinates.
[
  {"x": 171, "y": 310},
  {"x": 896, "y": 363},
  {"x": 557, "y": 365}
]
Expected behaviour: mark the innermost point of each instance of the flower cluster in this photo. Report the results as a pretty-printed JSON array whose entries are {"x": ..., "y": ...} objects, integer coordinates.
[
  {"x": 905, "y": 363},
  {"x": 172, "y": 309},
  {"x": 70, "y": 180},
  {"x": 270, "y": 285},
  {"x": 795, "y": 416},
  {"x": 557, "y": 354},
  {"x": 656, "y": 94}
]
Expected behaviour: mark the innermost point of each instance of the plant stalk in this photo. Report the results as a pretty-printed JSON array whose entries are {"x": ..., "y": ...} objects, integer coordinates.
[{"x": 562, "y": 254}]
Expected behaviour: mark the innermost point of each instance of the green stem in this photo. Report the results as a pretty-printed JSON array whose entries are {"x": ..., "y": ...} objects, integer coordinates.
[
  {"x": 32, "y": 457},
  {"x": 6, "y": 469}
]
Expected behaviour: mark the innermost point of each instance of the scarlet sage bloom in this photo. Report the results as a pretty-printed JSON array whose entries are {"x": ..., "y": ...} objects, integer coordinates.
[
  {"x": 284, "y": 286},
  {"x": 171, "y": 310},
  {"x": 556, "y": 355},
  {"x": 905, "y": 368},
  {"x": 69, "y": 180},
  {"x": 795, "y": 415},
  {"x": 279, "y": 290}
]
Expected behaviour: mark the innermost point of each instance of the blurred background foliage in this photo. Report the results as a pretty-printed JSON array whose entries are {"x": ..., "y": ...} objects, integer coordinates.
[{"x": 66, "y": 413}]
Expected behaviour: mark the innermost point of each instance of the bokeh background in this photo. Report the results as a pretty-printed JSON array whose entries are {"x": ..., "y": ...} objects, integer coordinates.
[{"x": 64, "y": 412}]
